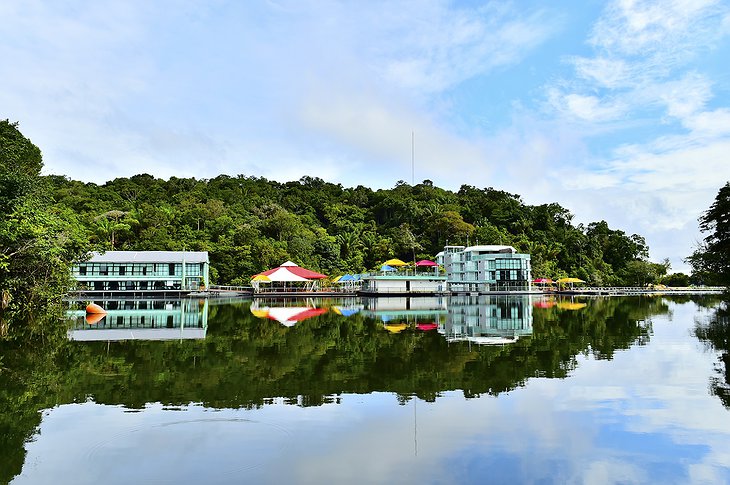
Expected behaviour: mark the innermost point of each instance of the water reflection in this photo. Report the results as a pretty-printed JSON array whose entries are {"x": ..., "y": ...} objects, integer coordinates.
[
  {"x": 715, "y": 331},
  {"x": 484, "y": 320},
  {"x": 335, "y": 384},
  {"x": 488, "y": 319},
  {"x": 286, "y": 312},
  {"x": 136, "y": 319}
]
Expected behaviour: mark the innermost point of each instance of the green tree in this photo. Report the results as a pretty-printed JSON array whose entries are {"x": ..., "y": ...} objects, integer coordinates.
[
  {"x": 711, "y": 260},
  {"x": 37, "y": 241}
]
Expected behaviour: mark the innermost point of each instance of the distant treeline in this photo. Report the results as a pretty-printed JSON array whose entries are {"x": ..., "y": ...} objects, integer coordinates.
[{"x": 249, "y": 224}]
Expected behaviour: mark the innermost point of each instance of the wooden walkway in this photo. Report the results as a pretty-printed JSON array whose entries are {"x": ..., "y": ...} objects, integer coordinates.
[{"x": 637, "y": 290}]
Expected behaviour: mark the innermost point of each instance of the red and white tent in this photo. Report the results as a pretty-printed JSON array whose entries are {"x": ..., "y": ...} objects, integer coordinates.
[{"x": 291, "y": 272}]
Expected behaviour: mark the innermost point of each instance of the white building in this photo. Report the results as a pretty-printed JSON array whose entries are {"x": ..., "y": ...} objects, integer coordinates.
[
  {"x": 142, "y": 272},
  {"x": 485, "y": 269}
]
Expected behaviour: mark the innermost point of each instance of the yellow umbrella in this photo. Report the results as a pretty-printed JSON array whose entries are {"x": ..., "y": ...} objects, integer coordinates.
[
  {"x": 395, "y": 262},
  {"x": 261, "y": 277},
  {"x": 570, "y": 280}
]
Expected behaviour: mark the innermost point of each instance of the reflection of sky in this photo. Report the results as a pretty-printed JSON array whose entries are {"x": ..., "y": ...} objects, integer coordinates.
[{"x": 644, "y": 417}]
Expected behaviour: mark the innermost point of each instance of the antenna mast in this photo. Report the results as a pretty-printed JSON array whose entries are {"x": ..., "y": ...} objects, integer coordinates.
[{"x": 413, "y": 157}]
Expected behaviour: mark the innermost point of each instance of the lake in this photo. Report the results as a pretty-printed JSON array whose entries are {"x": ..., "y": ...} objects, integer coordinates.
[{"x": 495, "y": 389}]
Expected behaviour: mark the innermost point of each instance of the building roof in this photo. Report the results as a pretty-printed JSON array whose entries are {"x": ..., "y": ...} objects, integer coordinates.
[
  {"x": 149, "y": 257},
  {"x": 490, "y": 249}
]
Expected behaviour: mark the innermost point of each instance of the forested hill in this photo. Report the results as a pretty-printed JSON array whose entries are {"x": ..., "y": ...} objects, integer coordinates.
[{"x": 249, "y": 224}]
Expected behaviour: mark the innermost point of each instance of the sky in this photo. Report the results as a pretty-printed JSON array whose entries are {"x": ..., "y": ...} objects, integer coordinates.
[{"x": 616, "y": 110}]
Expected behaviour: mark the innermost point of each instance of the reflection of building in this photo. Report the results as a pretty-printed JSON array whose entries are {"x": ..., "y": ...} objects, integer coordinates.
[
  {"x": 143, "y": 272},
  {"x": 485, "y": 269},
  {"x": 407, "y": 309},
  {"x": 403, "y": 283},
  {"x": 488, "y": 319},
  {"x": 484, "y": 319},
  {"x": 135, "y": 319}
]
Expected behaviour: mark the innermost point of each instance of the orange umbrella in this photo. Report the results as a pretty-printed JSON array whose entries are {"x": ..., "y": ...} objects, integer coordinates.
[
  {"x": 94, "y": 308},
  {"x": 94, "y": 318}
]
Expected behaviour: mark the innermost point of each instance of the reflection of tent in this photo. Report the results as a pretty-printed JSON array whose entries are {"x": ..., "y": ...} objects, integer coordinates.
[
  {"x": 425, "y": 262},
  {"x": 395, "y": 327},
  {"x": 288, "y": 316},
  {"x": 260, "y": 313},
  {"x": 570, "y": 305},
  {"x": 427, "y": 326},
  {"x": 395, "y": 262}
]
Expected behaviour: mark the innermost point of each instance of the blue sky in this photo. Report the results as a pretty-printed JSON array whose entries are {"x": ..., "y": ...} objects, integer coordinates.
[{"x": 619, "y": 111}]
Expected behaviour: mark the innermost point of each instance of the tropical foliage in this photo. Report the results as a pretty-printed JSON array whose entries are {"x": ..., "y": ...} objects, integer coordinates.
[
  {"x": 249, "y": 224},
  {"x": 38, "y": 240},
  {"x": 245, "y": 362},
  {"x": 711, "y": 260}
]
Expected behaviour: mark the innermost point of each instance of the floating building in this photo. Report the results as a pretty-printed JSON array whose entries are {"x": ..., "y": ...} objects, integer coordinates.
[{"x": 150, "y": 272}]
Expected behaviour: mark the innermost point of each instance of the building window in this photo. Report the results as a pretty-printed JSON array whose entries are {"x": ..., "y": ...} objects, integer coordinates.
[
  {"x": 171, "y": 269},
  {"x": 103, "y": 270},
  {"x": 82, "y": 270},
  {"x": 122, "y": 270}
]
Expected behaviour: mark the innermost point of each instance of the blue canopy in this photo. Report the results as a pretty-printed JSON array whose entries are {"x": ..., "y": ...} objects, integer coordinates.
[
  {"x": 347, "y": 277},
  {"x": 385, "y": 267}
]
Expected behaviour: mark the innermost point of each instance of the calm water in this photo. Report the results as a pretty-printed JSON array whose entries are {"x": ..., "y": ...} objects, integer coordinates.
[{"x": 427, "y": 390}]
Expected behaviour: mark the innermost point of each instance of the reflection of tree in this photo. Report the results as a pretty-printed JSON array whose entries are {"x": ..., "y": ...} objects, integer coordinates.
[
  {"x": 716, "y": 332},
  {"x": 245, "y": 362}
]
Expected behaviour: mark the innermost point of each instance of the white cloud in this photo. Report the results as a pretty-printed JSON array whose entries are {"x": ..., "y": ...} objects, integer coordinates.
[
  {"x": 683, "y": 97},
  {"x": 710, "y": 123},
  {"x": 636, "y": 27},
  {"x": 438, "y": 47},
  {"x": 605, "y": 72}
]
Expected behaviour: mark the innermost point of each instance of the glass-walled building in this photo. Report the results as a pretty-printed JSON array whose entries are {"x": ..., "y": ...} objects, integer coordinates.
[
  {"x": 485, "y": 269},
  {"x": 488, "y": 319},
  {"x": 143, "y": 272},
  {"x": 140, "y": 319}
]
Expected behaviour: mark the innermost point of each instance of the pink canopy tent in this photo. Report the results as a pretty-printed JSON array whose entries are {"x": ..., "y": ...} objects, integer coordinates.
[{"x": 426, "y": 262}]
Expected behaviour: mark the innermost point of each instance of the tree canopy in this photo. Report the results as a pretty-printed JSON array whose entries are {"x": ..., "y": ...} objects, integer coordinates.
[
  {"x": 38, "y": 240},
  {"x": 249, "y": 224},
  {"x": 711, "y": 260}
]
